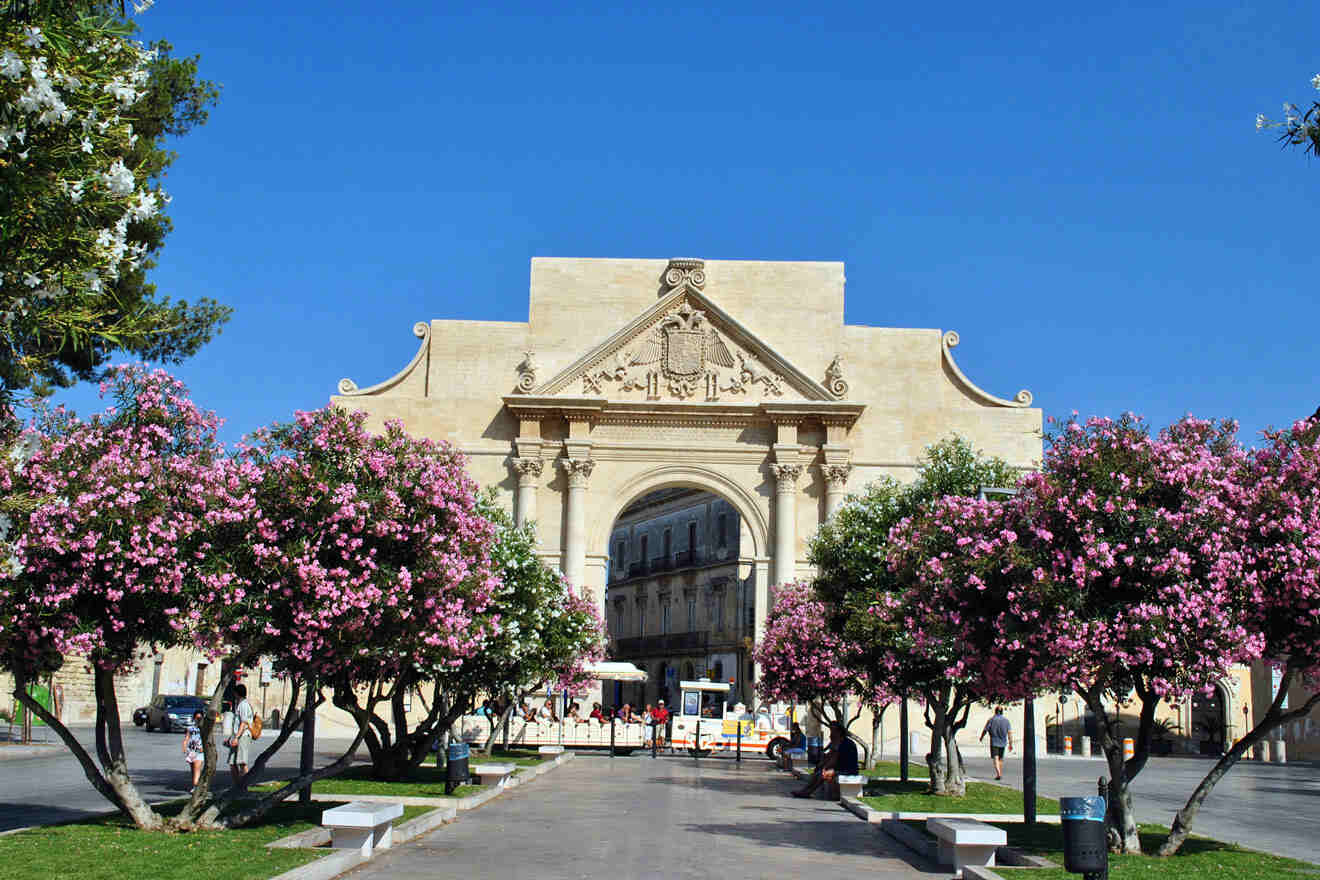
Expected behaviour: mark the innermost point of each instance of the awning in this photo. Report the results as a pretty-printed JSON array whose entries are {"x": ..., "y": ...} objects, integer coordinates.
[{"x": 616, "y": 671}]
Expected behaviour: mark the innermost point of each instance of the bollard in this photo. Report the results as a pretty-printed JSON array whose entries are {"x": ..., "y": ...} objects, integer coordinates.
[
  {"x": 654, "y": 745},
  {"x": 1067, "y": 745},
  {"x": 1086, "y": 747},
  {"x": 1129, "y": 747},
  {"x": 611, "y": 736},
  {"x": 696, "y": 741},
  {"x": 738, "y": 754}
]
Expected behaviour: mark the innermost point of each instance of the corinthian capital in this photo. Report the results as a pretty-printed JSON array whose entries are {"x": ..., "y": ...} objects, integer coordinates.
[
  {"x": 529, "y": 469},
  {"x": 786, "y": 476},
  {"x": 836, "y": 476},
  {"x": 578, "y": 470}
]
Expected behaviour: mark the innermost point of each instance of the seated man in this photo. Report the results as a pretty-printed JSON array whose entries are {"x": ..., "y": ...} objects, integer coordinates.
[{"x": 840, "y": 759}]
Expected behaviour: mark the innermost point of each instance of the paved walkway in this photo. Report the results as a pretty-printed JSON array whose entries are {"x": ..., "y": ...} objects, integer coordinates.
[{"x": 637, "y": 817}]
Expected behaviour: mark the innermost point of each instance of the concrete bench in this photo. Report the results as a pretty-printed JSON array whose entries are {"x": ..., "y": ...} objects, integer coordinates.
[
  {"x": 851, "y": 786},
  {"x": 362, "y": 826},
  {"x": 551, "y": 750},
  {"x": 966, "y": 842},
  {"x": 492, "y": 774}
]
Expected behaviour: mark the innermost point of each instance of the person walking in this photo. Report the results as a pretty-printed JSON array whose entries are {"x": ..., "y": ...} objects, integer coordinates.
[
  {"x": 240, "y": 742},
  {"x": 1001, "y": 735},
  {"x": 193, "y": 752}
]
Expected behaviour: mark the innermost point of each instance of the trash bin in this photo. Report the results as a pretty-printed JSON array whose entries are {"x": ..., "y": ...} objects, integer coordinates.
[
  {"x": 813, "y": 750},
  {"x": 1085, "y": 849},
  {"x": 456, "y": 768}
]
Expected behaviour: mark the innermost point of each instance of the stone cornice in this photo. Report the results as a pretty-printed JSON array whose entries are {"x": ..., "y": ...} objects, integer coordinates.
[{"x": 599, "y": 410}]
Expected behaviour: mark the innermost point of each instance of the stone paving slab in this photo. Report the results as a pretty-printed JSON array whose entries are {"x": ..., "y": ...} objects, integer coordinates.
[{"x": 637, "y": 817}]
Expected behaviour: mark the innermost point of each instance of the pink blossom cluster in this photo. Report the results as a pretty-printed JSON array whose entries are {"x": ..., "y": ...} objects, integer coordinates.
[
  {"x": 1281, "y": 581},
  {"x": 960, "y": 610},
  {"x": 368, "y": 558},
  {"x": 802, "y": 661},
  {"x": 1141, "y": 551},
  {"x": 125, "y": 502}
]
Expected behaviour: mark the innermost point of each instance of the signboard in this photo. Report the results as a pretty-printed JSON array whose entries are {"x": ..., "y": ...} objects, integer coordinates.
[{"x": 731, "y": 728}]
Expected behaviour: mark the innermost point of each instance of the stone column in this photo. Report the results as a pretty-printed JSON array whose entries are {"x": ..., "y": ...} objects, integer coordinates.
[
  {"x": 529, "y": 472},
  {"x": 576, "y": 471},
  {"x": 786, "y": 477},
  {"x": 836, "y": 484}
]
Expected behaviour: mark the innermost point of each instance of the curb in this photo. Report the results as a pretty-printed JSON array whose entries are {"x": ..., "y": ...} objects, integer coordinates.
[
  {"x": 327, "y": 867},
  {"x": 979, "y": 872}
]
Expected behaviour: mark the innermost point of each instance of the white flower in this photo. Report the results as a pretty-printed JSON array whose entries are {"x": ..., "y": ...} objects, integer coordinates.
[
  {"x": 31, "y": 280},
  {"x": 141, "y": 6},
  {"x": 11, "y": 65},
  {"x": 1315, "y": 80},
  {"x": 118, "y": 179},
  {"x": 86, "y": 145},
  {"x": 1260, "y": 121},
  {"x": 33, "y": 37}
]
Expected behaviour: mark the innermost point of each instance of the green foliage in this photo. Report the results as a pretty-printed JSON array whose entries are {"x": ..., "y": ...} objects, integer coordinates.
[
  {"x": 849, "y": 551},
  {"x": 84, "y": 114}
]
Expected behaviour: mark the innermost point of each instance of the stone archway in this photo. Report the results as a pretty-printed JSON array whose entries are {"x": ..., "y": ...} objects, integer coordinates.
[{"x": 736, "y": 377}]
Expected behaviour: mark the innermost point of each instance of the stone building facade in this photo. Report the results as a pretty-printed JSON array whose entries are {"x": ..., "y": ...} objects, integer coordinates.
[{"x": 675, "y": 603}]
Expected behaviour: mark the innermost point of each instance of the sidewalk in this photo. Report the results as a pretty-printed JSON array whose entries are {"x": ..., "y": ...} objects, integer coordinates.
[{"x": 636, "y": 817}]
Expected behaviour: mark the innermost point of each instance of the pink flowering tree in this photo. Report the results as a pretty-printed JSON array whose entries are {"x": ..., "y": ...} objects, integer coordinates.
[
  {"x": 803, "y": 662},
  {"x": 367, "y": 572},
  {"x": 1278, "y": 595},
  {"x": 109, "y": 562},
  {"x": 866, "y": 598},
  {"x": 1138, "y": 552},
  {"x": 951, "y": 623}
]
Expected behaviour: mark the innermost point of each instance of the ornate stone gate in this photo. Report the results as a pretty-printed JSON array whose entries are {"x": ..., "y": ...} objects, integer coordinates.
[{"x": 740, "y": 378}]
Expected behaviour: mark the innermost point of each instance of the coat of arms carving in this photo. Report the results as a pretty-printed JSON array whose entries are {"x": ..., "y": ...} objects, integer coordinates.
[
  {"x": 683, "y": 343},
  {"x": 685, "y": 354}
]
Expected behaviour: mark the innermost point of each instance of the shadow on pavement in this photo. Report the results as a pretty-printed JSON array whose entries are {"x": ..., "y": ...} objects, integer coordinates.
[{"x": 823, "y": 836}]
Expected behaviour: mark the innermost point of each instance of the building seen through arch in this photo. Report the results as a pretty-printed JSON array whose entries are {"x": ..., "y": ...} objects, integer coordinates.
[{"x": 680, "y": 596}]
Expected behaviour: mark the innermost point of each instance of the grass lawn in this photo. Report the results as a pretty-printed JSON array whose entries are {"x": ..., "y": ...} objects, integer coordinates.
[
  {"x": 981, "y": 798},
  {"x": 112, "y": 849},
  {"x": 1199, "y": 858},
  {"x": 893, "y": 768},
  {"x": 426, "y": 781}
]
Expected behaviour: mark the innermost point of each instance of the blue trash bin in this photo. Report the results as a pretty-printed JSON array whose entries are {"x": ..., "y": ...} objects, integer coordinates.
[
  {"x": 456, "y": 768},
  {"x": 1085, "y": 849}
]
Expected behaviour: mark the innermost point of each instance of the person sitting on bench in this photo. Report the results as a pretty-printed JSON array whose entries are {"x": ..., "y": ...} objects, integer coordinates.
[{"x": 840, "y": 759}]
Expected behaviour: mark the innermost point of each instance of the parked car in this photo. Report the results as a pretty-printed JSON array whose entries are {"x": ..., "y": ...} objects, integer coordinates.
[
  {"x": 140, "y": 715},
  {"x": 172, "y": 711}
]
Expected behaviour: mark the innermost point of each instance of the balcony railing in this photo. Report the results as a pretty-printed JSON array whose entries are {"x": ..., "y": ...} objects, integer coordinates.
[{"x": 661, "y": 643}]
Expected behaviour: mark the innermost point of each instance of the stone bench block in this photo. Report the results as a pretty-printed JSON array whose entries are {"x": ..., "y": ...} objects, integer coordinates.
[
  {"x": 851, "y": 786},
  {"x": 964, "y": 842},
  {"x": 551, "y": 750},
  {"x": 492, "y": 774},
  {"x": 362, "y": 825}
]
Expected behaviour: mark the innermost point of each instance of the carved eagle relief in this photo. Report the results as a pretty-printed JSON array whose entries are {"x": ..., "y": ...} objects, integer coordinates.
[{"x": 684, "y": 342}]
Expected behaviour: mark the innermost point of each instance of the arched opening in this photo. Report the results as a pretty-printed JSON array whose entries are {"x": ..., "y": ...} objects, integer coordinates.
[
  {"x": 681, "y": 593},
  {"x": 1210, "y": 720}
]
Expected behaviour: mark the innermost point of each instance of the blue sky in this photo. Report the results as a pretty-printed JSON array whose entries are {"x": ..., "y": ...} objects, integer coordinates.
[{"x": 1080, "y": 191}]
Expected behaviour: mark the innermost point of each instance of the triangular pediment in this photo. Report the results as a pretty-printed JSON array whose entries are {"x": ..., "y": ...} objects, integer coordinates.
[{"x": 684, "y": 348}]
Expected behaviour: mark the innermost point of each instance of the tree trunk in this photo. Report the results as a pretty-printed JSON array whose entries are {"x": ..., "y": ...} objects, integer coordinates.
[
  {"x": 248, "y": 815},
  {"x": 877, "y": 730},
  {"x": 92, "y": 772},
  {"x": 1274, "y": 717},
  {"x": 944, "y": 761},
  {"x": 1123, "y": 836},
  {"x": 110, "y": 741}
]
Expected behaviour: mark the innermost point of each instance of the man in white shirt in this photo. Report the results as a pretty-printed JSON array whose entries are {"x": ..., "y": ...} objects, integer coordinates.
[{"x": 240, "y": 739}]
